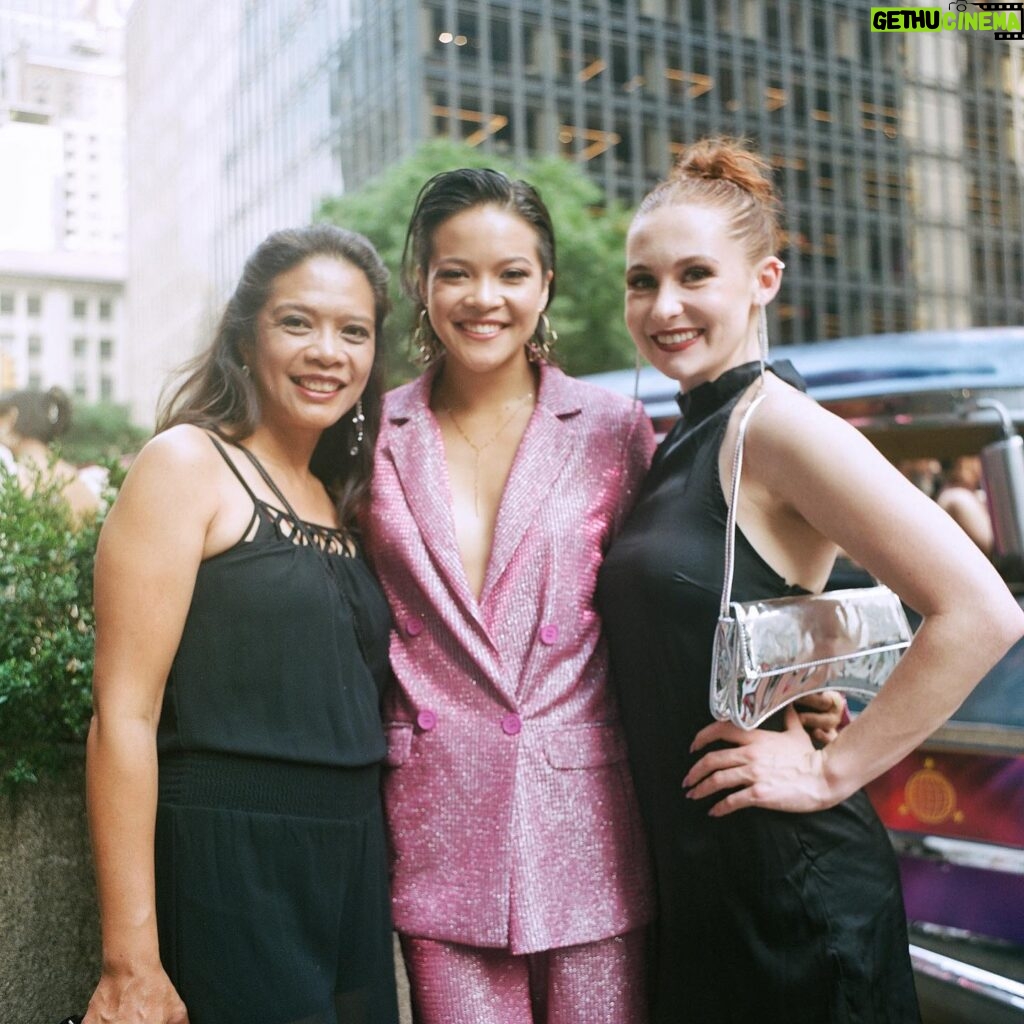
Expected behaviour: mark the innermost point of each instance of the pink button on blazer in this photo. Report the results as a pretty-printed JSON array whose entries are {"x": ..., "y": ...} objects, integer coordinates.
[{"x": 511, "y": 813}]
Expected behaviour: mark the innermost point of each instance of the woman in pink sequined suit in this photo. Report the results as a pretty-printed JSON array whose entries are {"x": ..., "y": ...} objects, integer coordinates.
[{"x": 519, "y": 868}]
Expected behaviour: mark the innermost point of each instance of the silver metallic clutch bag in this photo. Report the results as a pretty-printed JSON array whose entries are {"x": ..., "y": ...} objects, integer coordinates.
[{"x": 769, "y": 653}]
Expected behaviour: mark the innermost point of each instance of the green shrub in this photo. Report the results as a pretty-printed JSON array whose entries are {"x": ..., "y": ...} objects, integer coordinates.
[
  {"x": 100, "y": 433},
  {"x": 46, "y": 630}
]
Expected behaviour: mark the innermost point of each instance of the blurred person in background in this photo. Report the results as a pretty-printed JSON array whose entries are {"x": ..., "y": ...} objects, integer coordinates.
[
  {"x": 962, "y": 495},
  {"x": 30, "y": 423}
]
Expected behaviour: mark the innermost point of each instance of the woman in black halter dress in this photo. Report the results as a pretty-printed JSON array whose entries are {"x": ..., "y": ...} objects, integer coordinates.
[
  {"x": 233, "y": 760},
  {"x": 778, "y": 893},
  {"x": 810, "y": 902}
]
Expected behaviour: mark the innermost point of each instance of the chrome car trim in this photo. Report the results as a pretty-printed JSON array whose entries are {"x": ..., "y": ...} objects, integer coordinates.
[
  {"x": 960, "y": 852},
  {"x": 967, "y": 977}
]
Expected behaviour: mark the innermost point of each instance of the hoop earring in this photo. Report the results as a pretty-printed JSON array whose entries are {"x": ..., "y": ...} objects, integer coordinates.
[
  {"x": 538, "y": 348},
  {"x": 425, "y": 346},
  {"x": 357, "y": 422},
  {"x": 762, "y": 336}
]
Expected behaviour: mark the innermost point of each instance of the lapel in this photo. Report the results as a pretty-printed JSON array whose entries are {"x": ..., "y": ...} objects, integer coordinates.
[
  {"x": 416, "y": 448},
  {"x": 549, "y": 440}
]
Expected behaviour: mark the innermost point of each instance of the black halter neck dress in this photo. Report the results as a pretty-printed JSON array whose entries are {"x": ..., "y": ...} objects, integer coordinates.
[{"x": 762, "y": 915}]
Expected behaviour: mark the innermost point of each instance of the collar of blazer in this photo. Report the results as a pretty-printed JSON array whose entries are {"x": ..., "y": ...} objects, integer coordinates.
[{"x": 413, "y": 443}]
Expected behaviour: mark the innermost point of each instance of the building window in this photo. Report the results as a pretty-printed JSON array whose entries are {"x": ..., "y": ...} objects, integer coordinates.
[
  {"x": 7, "y": 303},
  {"x": 35, "y": 345},
  {"x": 79, "y": 347},
  {"x": 79, "y": 385},
  {"x": 33, "y": 305},
  {"x": 501, "y": 42},
  {"x": 106, "y": 389},
  {"x": 35, "y": 382},
  {"x": 106, "y": 309},
  {"x": 79, "y": 308},
  {"x": 106, "y": 348}
]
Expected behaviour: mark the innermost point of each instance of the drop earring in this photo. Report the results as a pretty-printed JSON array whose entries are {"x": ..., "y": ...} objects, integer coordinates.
[
  {"x": 358, "y": 420},
  {"x": 426, "y": 347},
  {"x": 538, "y": 348},
  {"x": 762, "y": 336}
]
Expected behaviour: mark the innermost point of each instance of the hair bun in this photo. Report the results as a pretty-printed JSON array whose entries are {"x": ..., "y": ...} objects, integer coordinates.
[
  {"x": 727, "y": 160},
  {"x": 58, "y": 410}
]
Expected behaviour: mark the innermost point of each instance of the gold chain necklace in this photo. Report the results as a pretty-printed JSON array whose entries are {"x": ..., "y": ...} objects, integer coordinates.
[{"x": 478, "y": 449}]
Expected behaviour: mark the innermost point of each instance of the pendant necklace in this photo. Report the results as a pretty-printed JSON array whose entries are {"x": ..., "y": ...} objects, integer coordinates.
[{"x": 478, "y": 449}]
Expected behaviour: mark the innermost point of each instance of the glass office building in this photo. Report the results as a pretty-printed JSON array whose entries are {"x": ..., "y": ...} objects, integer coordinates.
[{"x": 899, "y": 156}]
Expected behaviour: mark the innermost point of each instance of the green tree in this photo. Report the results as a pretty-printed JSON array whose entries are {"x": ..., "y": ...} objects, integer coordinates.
[
  {"x": 590, "y": 235},
  {"x": 100, "y": 433}
]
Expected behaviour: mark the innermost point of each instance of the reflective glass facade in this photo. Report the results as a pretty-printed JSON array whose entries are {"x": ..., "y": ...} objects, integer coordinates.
[{"x": 898, "y": 156}]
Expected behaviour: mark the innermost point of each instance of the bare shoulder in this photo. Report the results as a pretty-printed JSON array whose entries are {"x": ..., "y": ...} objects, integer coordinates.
[
  {"x": 183, "y": 445},
  {"x": 179, "y": 455},
  {"x": 791, "y": 428},
  {"x": 177, "y": 469}
]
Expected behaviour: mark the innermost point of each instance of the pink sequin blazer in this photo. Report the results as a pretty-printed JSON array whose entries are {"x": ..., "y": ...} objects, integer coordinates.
[{"x": 511, "y": 813}]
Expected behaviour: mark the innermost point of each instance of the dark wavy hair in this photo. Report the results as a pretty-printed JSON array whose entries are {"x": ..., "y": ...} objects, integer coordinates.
[
  {"x": 219, "y": 396},
  {"x": 42, "y": 415},
  {"x": 451, "y": 192}
]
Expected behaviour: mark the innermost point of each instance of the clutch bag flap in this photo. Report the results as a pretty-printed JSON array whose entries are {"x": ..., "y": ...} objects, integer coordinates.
[{"x": 785, "y": 648}]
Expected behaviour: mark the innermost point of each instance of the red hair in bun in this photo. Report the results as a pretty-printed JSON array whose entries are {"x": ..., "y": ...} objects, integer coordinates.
[{"x": 725, "y": 173}]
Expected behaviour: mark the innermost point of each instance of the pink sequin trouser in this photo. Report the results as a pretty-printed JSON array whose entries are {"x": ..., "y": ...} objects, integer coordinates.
[{"x": 595, "y": 983}]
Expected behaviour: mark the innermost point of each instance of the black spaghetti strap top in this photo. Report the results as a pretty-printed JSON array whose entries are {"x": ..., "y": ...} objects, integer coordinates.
[{"x": 284, "y": 650}]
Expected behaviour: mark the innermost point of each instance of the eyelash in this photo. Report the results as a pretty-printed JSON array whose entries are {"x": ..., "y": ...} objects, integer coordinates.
[
  {"x": 513, "y": 273},
  {"x": 297, "y": 324},
  {"x": 641, "y": 281},
  {"x": 696, "y": 273},
  {"x": 690, "y": 275}
]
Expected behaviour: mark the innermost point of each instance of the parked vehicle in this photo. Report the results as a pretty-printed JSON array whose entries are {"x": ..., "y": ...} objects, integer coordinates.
[{"x": 955, "y": 807}]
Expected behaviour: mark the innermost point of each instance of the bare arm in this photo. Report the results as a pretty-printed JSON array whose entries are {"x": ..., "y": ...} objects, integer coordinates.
[
  {"x": 149, "y": 551},
  {"x": 834, "y": 482}
]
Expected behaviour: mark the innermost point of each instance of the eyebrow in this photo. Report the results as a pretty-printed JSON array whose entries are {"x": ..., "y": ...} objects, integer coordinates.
[
  {"x": 301, "y": 307},
  {"x": 503, "y": 262},
  {"x": 683, "y": 261}
]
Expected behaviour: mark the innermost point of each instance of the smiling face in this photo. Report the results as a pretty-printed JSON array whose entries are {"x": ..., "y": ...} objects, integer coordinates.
[
  {"x": 314, "y": 344},
  {"x": 692, "y": 292},
  {"x": 485, "y": 287}
]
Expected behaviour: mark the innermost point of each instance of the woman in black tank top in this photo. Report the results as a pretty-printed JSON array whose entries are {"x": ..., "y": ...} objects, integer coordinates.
[{"x": 241, "y": 653}]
